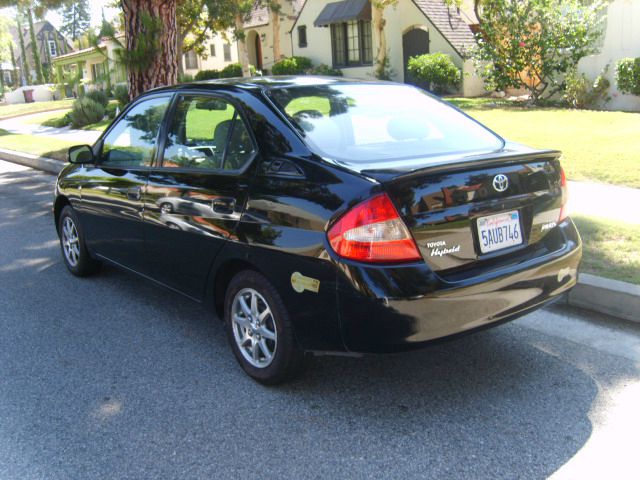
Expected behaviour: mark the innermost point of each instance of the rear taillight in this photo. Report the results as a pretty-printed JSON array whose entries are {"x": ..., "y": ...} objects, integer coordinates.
[
  {"x": 372, "y": 231},
  {"x": 564, "y": 211}
]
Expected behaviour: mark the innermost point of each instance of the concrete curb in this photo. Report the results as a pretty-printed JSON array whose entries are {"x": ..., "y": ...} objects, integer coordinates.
[
  {"x": 612, "y": 297},
  {"x": 598, "y": 294},
  {"x": 41, "y": 163}
]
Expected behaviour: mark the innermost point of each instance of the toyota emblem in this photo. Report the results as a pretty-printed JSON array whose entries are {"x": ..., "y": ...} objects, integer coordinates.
[{"x": 500, "y": 182}]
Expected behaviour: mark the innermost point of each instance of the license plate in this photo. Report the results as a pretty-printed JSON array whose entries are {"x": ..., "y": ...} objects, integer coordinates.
[{"x": 499, "y": 231}]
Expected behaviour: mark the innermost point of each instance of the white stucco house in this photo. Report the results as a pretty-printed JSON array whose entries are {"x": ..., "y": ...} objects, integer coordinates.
[
  {"x": 340, "y": 34},
  {"x": 258, "y": 28},
  {"x": 621, "y": 39},
  {"x": 221, "y": 50}
]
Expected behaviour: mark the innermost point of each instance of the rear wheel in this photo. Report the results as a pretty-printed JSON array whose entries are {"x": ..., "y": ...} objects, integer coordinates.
[
  {"x": 74, "y": 251},
  {"x": 259, "y": 330}
]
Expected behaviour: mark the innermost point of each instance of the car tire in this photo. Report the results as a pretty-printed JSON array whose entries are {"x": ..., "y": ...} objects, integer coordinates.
[
  {"x": 74, "y": 250},
  {"x": 250, "y": 328}
]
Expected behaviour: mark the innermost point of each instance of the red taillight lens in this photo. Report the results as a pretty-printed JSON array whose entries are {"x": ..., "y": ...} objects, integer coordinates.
[
  {"x": 564, "y": 211},
  {"x": 372, "y": 231}
]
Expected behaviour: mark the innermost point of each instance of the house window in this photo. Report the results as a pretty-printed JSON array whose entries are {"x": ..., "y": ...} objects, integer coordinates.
[
  {"x": 351, "y": 43},
  {"x": 226, "y": 50},
  {"x": 190, "y": 60},
  {"x": 53, "y": 51},
  {"x": 302, "y": 36},
  {"x": 212, "y": 48}
]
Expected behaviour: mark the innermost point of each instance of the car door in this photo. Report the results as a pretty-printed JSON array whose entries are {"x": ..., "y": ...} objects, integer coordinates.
[
  {"x": 194, "y": 200},
  {"x": 112, "y": 192}
]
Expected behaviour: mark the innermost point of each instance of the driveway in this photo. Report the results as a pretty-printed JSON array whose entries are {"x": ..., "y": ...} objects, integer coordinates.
[{"x": 112, "y": 377}]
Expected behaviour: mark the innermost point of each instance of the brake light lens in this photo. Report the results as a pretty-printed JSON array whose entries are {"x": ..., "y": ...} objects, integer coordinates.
[
  {"x": 373, "y": 231},
  {"x": 564, "y": 211}
]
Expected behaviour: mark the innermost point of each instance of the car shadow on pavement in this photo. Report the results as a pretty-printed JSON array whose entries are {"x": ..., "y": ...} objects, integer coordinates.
[{"x": 498, "y": 403}]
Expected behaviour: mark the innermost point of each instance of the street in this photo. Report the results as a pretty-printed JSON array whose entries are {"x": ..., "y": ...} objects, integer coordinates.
[{"x": 113, "y": 377}]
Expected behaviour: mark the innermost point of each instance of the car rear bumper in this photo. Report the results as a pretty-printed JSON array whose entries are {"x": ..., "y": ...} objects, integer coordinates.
[{"x": 378, "y": 315}]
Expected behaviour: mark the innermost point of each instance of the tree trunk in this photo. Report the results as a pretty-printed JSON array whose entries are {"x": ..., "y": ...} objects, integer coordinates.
[
  {"x": 275, "y": 23},
  {"x": 163, "y": 68},
  {"x": 377, "y": 17},
  {"x": 14, "y": 73},
  {"x": 243, "y": 53}
]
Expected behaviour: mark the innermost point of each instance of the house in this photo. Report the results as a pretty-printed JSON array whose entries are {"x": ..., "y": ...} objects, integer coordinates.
[
  {"x": 221, "y": 50},
  {"x": 340, "y": 34},
  {"x": 621, "y": 39},
  {"x": 50, "y": 43},
  {"x": 258, "y": 28},
  {"x": 90, "y": 68}
]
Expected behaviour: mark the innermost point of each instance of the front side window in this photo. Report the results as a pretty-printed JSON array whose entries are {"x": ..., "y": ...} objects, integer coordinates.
[
  {"x": 207, "y": 132},
  {"x": 212, "y": 48},
  {"x": 351, "y": 43},
  {"x": 226, "y": 50},
  {"x": 53, "y": 50},
  {"x": 371, "y": 123},
  {"x": 132, "y": 140}
]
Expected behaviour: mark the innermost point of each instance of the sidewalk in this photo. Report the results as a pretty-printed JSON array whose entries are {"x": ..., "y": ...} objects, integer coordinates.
[
  {"x": 607, "y": 201},
  {"x": 19, "y": 126}
]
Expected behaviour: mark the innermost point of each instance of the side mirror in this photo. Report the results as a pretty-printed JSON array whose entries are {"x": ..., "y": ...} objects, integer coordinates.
[{"x": 81, "y": 154}]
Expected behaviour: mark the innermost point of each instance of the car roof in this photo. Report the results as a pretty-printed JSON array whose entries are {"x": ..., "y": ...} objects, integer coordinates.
[{"x": 264, "y": 83}]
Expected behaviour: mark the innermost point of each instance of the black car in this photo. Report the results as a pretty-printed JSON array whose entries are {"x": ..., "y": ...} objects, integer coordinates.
[{"x": 320, "y": 215}]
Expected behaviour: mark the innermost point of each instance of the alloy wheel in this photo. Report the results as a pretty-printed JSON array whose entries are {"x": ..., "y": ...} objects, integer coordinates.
[
  {"x": 70, "y": 241},
  {"x": 254, "y": 328}
]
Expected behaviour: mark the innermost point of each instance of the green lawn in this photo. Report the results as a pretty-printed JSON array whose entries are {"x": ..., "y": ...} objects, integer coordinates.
[
  {"x": 611, "y": 249},
  {"x": 597, "y": 146},
  {"x": 36, "y": 145},
  {"x": 47, "y": 118},
  {"x": 7, "y": 111}
]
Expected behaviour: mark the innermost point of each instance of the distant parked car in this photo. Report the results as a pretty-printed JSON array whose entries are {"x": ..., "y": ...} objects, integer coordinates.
[{"x": 321, "y": 215}]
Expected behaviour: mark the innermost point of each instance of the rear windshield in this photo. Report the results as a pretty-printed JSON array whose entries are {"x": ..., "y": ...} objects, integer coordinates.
[{"x": 368, "y": 123}]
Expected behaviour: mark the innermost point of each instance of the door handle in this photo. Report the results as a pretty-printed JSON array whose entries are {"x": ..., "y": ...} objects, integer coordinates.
[
  {"x": 225, "y": 205},
  {"x": 134, "y": 193}
]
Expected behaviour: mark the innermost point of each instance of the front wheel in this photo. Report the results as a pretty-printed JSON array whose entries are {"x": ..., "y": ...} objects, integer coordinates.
[
  {"x": 260, "y": 331},
  {"x": 74, "y": 251}
]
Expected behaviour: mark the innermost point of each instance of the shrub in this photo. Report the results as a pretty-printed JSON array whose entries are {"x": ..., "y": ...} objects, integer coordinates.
[
  {"x": 121, "y": 94},
  {"x": 185, "y": 78},
  {"x": 232, "y": 70},
  {"x": 58, "y": 122},
  {"x": 324, "y": 69},
  {"x": 292, "y": 66},
  {"x": 86, "y": 111},
  {"x": 436, "y": 70},
  {"x": 628, "y": 75},
  {"x": 207, "y": 75},
  {"x": 98, "y": 96},
  {"x": 111, "y": 110},
  {"x": 580, "y": 93}
]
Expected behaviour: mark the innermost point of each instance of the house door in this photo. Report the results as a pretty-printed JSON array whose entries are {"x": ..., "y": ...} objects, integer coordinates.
[
  {"x": 414, "y": 42},
  {"x": 258, "y": 49}
]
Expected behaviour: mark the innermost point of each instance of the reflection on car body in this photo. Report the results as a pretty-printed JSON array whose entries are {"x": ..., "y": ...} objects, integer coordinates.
[{"x": 321, "y": 215}]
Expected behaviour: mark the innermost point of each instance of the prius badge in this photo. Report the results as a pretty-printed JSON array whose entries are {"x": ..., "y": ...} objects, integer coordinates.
[{"x": 500, "y": 182}]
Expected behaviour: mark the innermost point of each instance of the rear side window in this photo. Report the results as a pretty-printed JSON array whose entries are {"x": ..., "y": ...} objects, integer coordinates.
[
  {"x": 369, "y": 123},
  {"x": 132, "y": 141},
  {"x": 207, "y": 132}
]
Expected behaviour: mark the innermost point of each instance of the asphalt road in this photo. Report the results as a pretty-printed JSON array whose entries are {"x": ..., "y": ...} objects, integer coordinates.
[{"x": 111, "y": 377}]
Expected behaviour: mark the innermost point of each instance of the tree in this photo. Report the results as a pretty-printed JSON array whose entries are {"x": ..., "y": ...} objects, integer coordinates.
[
  {"x": 150, "y": 28},
  {"x": 24, "y": 61},
  {"x": 232, "y": 14},
  {"x": 379, "y": 23},
  {"x": 532, "y": 44},
  {"x": 275, "y": 9},
  {"x": 76, "y": 18},
  {"x": 35, "y": 48}
]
